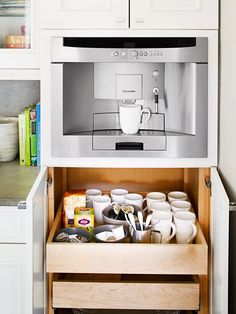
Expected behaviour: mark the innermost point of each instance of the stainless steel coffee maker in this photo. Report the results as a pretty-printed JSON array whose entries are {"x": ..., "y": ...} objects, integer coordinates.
[{"x": 93, "y": 77}]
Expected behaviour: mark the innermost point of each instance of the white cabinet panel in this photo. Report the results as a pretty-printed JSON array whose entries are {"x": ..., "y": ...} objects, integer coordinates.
[
  {"x": 174, "y": 14},
  {"x": 13, "y": 292},
  {"x": 84, "y": 14},
  {"x": 219, "y": 245},
  {"x": 37, "y": 204},
  {"x": 12, "y": 225}
]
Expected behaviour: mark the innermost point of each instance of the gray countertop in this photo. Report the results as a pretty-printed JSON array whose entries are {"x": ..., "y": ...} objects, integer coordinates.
[{"x": 15, "y": 182}]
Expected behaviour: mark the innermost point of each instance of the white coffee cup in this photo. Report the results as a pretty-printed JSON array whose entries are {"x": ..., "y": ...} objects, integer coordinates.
[
  {"x": 159, "y": 206},
  {"x": 177, "y": 206},
  {"x": 177, "y": 196},
  {"x": 92, "y": 193},
  {"x": 154, "y": 197},
  {"x": 186, "y": 229},
  {"x": 99, "y": 203},
  {"x": 134, "y": 199},
  {"x": 162, "y": 221},
  {"x": 117, "y": 195},
  {"x": 131, "y": 117}
]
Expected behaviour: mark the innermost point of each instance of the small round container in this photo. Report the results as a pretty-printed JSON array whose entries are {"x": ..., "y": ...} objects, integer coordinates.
[
  {"x": 114, "y": 221},
  {"x": 108, "y": 228},
  {"x": 72, "y": 235}
]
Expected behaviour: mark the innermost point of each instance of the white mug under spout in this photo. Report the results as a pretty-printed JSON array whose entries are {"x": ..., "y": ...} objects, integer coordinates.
[{"x": 131, "y": 117}]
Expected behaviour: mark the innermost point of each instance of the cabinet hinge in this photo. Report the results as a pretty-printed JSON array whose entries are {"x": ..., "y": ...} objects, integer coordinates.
[
  {"x": 208, "y": 183},
  {"x": 49, "y": 182}
]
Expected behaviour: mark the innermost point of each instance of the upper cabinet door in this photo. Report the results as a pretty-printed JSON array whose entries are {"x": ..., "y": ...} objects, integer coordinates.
[
  {"x": 174, "y": 14},
  {"x": 84, "y": 14},
  {"x": 219, "y": 245},
  {"x": 19, "y": 36}
]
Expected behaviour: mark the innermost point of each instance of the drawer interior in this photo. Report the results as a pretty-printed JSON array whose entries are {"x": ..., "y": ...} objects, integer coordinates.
[{"x": 126, "y": 291}]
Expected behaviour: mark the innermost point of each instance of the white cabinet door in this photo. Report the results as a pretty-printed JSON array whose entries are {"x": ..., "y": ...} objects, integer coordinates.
[
  {"x": 174, "y": 14},
  {"x": 219, "y": 245},
  {"x": 84, "y": 14},
  {"x": 37, "y": 205},
  {"x": 13, "y": 279}
]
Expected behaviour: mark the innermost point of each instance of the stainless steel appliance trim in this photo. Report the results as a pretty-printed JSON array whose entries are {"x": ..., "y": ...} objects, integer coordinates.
[{"x": 62, "y": 54}]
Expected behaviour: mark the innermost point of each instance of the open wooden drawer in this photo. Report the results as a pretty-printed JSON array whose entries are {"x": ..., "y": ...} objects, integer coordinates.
[
  {"x": 126, "y": 258},
  {"x": 126, "y": 291},
  {"x": 69, "y": 264}
]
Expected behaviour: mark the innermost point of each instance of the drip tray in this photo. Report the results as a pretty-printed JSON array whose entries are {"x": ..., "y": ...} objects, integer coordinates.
[{"x": 147, "y": 140}]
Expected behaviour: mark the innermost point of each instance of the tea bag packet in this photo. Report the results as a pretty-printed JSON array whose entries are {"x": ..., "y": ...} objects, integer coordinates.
[
  {"x": 72, "y": 199},
  {"x": 84, "y": 218}
]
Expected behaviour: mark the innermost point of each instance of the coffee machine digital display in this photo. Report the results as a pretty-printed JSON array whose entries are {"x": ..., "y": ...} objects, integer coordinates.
[{"x": 123, "y": 95}]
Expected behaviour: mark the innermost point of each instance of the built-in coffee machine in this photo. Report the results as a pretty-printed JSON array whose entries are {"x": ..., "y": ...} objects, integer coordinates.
[{"x": 129, "y": 97}]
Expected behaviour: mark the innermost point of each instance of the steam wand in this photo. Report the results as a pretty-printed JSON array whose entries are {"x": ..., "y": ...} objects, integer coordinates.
[{"x": 156, "y": 91}]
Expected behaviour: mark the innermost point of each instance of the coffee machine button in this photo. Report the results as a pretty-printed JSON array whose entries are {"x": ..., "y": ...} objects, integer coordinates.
[
  {"x": 145, "y": 53},
  {"x": 116, "y": 53},
  {"x": 141, "y": 54},
  {"x": 135, "y": 53},
  {"x": 123, "y": 53}
]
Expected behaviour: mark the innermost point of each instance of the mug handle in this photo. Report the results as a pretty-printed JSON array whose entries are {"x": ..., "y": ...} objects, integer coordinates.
[
  {"x": 148, "y": 111},
  {"x": 173, "y": 227},
  {"x": 160, "y": 234},
  {"x": 194, "y": 233},
  {"x": 90, "y": 202}
]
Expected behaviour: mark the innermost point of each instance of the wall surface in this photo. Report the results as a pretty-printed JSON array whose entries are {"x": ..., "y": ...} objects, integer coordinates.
[
  {"x": 227, "y": 156},
  {"x": 16, "y": 95}
]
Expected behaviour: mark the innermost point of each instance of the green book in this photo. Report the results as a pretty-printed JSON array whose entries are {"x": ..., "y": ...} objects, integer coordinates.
[
  {"x": 27, "y": 135},
  {"x": 33, "y": 137},
  {"x": 22, "y": 139}
]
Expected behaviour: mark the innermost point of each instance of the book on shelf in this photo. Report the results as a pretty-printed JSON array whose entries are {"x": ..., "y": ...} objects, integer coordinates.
[
  {"x": 33, "y": 137},
  {"x": 29, "y": 136},
  {"x": 22, "y": 137},
  {"x": 38, "y": 133}
]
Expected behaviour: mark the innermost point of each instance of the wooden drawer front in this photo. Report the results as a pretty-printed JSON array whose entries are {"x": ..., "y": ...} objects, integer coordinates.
[
  {"x": 84, "y": 14},
  {"x": 126, "y": 258},
  {"x": 125, "y": 294},
  {"x": 174, "y": 14},
  {"x": 12, "y": 225}
]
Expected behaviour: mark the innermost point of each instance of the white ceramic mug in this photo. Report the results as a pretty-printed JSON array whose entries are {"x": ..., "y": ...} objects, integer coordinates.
[
  {"x": 186, "y": 229},
  {"x": 118, "y": 195},
  {"x": 131, "y": 117},
  {"x": 134, "y": 199},
  {"x": 92, "y": 193},
  {"x": 177, "y": 206},
  {"x": 99, "y": 203},
  {"x": 159, "y": 206},
  {"x": 162, "y": 221},
  {"x": 154, "y": 197},
  {"x": 177, "y": 196}
]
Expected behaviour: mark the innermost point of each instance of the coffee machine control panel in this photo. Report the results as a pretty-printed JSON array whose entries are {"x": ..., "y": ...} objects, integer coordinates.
[{"x": 135, "y": 54}]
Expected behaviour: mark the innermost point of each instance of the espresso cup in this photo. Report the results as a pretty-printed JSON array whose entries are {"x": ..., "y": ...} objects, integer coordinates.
[
  {"x": 154, "y": 197},
  {"x": 92, "y": 193},
  {"x": 177, "y": 206},
  {"x": 177, "y": 196},
  {"x": 159, "y": 206},
  {"x": 186, "y": 229},
  {"x": 131, "y": 117},
  {"x": 162, "y": 221},
  {"x": 134, "y": 199},
  {"x": 99, "y": 203},
  {"x": 118, "y": 195}
]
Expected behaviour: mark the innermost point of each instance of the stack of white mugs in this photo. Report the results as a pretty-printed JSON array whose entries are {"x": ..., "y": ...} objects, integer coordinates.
[{"x": 172, "y": 215}]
